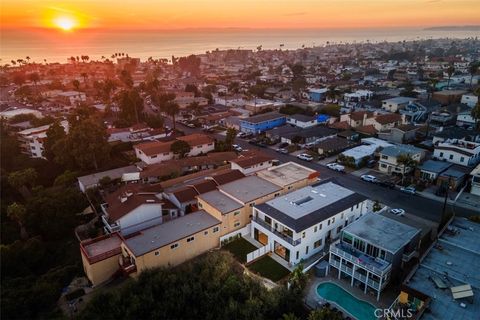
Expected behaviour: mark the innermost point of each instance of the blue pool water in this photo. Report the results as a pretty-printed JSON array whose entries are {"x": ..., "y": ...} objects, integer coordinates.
[{"x": 361, "y": 310}]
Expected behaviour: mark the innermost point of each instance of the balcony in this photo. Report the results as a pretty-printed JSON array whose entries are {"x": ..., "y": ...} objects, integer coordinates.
[
  {"x": 110, "y": 227},
  {"x": 407, "y": 256},
  {"x": 127, "y": 265},
  {"x": 374, "y": 265},
  {"x": 281, "y": 235}
]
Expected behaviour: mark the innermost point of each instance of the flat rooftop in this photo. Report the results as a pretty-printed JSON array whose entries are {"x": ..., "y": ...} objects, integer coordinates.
[
  {"x": 249, "y": 188},
  {"x": 455, "y": 260},
  {"x": 117, "y": 173},
  {"x": 286, "y": 174},
  {"x": 382, "y": 231},
  {"x": 164, "y": 234},
  {"x": 220, "y": 201},
  {"x": 310, "y": 205},
  {"x": 102, "y": 247}
]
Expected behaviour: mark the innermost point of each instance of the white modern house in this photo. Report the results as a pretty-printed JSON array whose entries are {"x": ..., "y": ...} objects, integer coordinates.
[
  {"x": 462, "y": 152},
  {"x": 297, "y": 225}
]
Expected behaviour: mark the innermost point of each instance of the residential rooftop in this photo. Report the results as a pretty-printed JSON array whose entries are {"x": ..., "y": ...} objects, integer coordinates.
[
  {"x": 382, "y": 231},
  {"x": 287, "y": 174},
  {"x": 452, "y": 262},
  {"x": 399, "y": 149},
  {"x": 220, "y": 201},
  {"x": 264, "y": 117},
  {"x": 249, "y": 188},
  {"x": 117, "y": 173},
  {"x": 434, "y": 166},
  {"x": 101, "y": 248},
  {"x": 310, "y": 205},
  {"x": 167, "y": 233}
]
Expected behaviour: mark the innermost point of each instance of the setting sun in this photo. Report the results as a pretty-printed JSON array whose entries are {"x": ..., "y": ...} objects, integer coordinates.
[{"x": 64, "y": 23}]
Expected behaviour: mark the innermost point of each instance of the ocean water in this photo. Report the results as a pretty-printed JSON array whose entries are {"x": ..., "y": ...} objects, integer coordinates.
[{"x": 56, "y": 46}]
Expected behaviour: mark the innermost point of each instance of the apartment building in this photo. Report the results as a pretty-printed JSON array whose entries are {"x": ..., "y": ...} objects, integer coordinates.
[
  {"x": 262, "y": 122},
  {"x": 32, "y": 140},
  {"x": 159, "y": 151},
  {"x": 475, "y": 174},
  {"x": 371, "y": 250},
  {"x": 389, "y": 158},
  {"x": 299, "y": 224}
]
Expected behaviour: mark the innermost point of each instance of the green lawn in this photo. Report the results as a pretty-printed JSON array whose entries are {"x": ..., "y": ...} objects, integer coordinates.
[
  {"x": 240, "y": 248},
  {"x": 269, "y": 268}
]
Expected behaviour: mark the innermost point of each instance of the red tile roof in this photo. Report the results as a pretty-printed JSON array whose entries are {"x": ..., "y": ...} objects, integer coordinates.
[
  {"x": 196, "y": 139},
  {"x": 388, "y": 118}
]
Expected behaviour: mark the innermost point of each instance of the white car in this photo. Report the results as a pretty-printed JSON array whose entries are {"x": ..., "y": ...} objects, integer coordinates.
[
  {"x": 305, "y": 157},
  {"x": 336, "y": 167},
  {"x": 369, "y": 178},
  {"x": 237, "y": 148},
  {"x": 398, "y": 212}
]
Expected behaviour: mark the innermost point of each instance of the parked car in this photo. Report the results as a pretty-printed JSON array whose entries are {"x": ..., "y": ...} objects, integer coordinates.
[
  {"x": 387, "y": 184},
  {"x": 398, "y": 212},
  {"x": 237, "y": 148},
  {"x": 369, "y": 178},
  {"x": 305, "y": 157},
  {"x": 190, "y": 125},
  {"x": 282, "y": 150},
  {"x": 261, "y": 144},
  {"x": 241, "y": 135},
  {"x": 336, "y": 167},
  {"x": 371, "y": 164},
  {"x": 208, "y": 130},
  {"x": 283, "y": 145},
  {"x": 409, "y": 190}
]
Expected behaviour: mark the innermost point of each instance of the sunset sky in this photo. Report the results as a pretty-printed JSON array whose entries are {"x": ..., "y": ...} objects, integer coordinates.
[{"x": 178, "y": 14}]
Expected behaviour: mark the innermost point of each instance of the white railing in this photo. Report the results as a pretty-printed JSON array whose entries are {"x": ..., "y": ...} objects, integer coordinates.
[
  {"x": 258, "y": 253},
  {"x": 364, "y": 264}
]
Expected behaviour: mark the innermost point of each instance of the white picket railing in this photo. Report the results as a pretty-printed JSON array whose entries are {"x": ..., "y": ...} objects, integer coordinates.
[{"x": 258, "y": 253}]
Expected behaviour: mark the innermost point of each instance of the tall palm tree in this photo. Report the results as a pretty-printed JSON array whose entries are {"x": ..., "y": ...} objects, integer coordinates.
[
  {"x": 450, "y": 72},
  {"x": 433, "y": 86},
  {"x": 408, "y": 163},
  {"x": 171, "y": 108}
]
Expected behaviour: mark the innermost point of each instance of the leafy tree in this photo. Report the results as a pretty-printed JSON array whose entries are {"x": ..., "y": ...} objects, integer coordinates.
[
  {"x": 376, "y": 206},
  {"x": 230, "y": 137},
  {"x": 76, "y": 84},
  {"x": 154, "y": 121},
  {"x": 66, "y": 179},
  {"x": 408, "y": 163},
  {"x": 194, "y": 107},
  {"x": 23, "y": 180},
  {"x": 131, "y": 105},
  {"x": 192, "y": 88},
  {"x": 325, "y": 313},
  {"x": 18, "y": 213},
  {"x": 85, "y": 147},
  {"x": 55, "y": 133},
  {"x": 298, "y": 279},
  {"x": 180, "y": 148}
]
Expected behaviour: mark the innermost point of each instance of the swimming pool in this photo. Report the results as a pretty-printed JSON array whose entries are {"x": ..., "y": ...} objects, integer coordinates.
[{"x": 361, "y": 310}]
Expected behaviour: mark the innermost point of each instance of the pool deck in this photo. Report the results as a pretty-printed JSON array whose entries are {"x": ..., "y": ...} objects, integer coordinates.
[{"x": 312, "y": 298}]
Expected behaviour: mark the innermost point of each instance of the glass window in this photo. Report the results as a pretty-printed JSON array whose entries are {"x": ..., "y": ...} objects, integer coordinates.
[
  {"x": 215, "y": 229},
  {"x": 174, "y": 246},
  {"x": 317, "y": 244},
  {"x": 190, "y": 239}
]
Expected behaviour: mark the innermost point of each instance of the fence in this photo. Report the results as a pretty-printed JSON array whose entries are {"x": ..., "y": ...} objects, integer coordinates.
[
  {"x": 232, "y": 235},
  {"x": 258, "y": 253}
]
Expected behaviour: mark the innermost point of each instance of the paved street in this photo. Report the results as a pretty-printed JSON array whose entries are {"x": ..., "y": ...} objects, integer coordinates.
[{"x": 423, "y": 207}]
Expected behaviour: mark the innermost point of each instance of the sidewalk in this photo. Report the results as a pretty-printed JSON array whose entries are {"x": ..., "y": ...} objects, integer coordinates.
[{"x": 465, "y": 200}]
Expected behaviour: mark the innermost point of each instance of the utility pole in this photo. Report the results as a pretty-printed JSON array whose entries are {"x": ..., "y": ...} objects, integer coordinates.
[{"x": 446, "y": 198}]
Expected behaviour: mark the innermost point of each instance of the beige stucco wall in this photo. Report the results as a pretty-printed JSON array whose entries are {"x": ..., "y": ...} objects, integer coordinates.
[
  {"x": 185, "y": 250},
  {"x": 100, "y": 271}
]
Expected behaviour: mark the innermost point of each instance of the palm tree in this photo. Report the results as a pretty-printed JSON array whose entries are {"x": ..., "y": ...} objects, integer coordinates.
[
  {"x": 472, "y": 69},
  {"x": 85, "y": 76},
  {"x": 450, "y": 72},
  {"x": 171, "y": 108}
]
